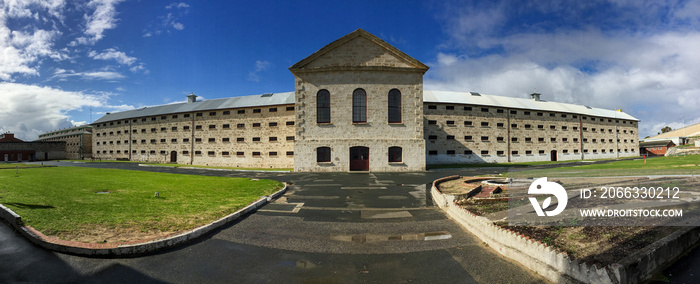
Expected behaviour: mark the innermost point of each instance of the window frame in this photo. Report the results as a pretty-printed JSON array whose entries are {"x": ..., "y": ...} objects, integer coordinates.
[{"x": 394, "y": 106}]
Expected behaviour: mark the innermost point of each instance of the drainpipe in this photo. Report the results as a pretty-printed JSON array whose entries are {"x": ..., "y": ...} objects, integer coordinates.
[
  {"x": 192, "y": 140},
  {"x": 580, "y": 135},
  {"x": 130, "y": 141},
  {"x": 508, "y": 134}
]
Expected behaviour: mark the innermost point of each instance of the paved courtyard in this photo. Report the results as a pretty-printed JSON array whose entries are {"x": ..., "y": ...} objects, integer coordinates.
[{"x": 327, "y": 228}]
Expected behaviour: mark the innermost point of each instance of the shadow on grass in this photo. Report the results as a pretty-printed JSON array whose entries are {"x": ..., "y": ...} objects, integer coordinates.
[{"x": 29, "y": 206}]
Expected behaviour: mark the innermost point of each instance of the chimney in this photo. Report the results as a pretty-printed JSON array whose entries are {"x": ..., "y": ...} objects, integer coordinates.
[
  {"x": 191, "y": 98},
  {"x": 535, "y": 96}
]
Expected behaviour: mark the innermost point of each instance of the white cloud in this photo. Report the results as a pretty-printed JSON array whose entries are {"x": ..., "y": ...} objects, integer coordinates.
[
  {"x": 31, "y": 110},
  {"x": 21, "y": 50},
  {"x": 113, "y": 53},
  {"x": 62, "y": 75},
  {"x": 260, "y": 65},
  {"x": 649, "y": 73},
  {"x": 171, "y": 20},
  {"x": 104, "y": 17}
]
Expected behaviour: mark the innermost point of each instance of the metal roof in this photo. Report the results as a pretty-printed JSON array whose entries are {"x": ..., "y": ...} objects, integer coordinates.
[
  {"x": 267, "y": 99},
  {"x": 509, "y": 102},
  {"x": 654, "y": 143}
]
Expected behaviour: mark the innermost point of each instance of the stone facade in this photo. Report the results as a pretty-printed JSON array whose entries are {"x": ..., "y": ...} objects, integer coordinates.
[
  {"x": 78, "y": 141},
  {"x": 327, "y": 125},
  {"x": 257, "y": 137},
  {"x": 359, "y": 61},
  {"x": 462, "y": 133},
  {"x": 15, "y": 150}
]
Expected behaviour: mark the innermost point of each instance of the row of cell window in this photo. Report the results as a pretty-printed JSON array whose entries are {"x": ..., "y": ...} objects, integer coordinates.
[
  {"x": 529, "y": 152},
  {"x": 469, "y": 123},
  {"x": 187, "y": 115},
  {"x": 187, "y": 140},
  {"x": 209, "y": 153},
  {"x": 514, "y": 112},
  {"x": 359, "y": 106},
  {"x": 323, "y": 154},
  {"x": 197, "y": 127},
  {"x": 529, "y": 139}
]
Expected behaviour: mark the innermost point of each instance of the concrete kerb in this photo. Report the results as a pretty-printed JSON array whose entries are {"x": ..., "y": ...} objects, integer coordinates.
[
  {"x": 126, "y": 249},
  {"x": 556, "y": 265},
  {"x": 212, "y": 169}
]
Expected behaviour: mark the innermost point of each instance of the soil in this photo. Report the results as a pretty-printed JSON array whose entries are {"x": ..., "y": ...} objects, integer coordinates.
[
  {"x": 602, "y": 245},
  {"x": 102, "y": 234}
]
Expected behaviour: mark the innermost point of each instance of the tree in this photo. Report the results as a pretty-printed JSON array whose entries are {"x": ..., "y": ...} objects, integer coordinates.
[{"x": 666, "y": 129}]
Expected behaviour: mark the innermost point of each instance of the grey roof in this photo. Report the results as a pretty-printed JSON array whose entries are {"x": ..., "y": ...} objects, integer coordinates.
[
  {"x": 509, "y": 102},
  {"x": 428, "y": 97},
  {"x": 226, "y": 103},
  {"x": 654, "y": 143}
]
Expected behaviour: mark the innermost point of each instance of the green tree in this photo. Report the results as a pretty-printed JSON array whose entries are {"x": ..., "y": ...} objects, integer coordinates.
[{"x": 666, "y": 129}]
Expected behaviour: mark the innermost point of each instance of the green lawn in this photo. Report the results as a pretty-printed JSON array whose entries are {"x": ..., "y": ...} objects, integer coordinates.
[
  {"x": 215, "y": 167},
  {"x": 18, "y": 165},
  {"x": 689, "y": 164},
  {"x": 63, "y": 200}
]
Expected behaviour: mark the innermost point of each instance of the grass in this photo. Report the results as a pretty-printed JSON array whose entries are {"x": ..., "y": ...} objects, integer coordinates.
[
  {"x": 689, "y": 164},
  {"x": 216, "y": 167},
  {"x": 18, "y": 165},
  {"x": 64, "y": 200},
  {"x": 511, "y": 165}
]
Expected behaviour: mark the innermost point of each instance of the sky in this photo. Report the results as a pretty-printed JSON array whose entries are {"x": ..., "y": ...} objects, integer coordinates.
[{"x": 65, "y": 63}]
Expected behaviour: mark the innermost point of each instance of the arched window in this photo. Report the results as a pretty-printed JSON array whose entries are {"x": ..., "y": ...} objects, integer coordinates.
[
  {"x": 359, "y": 106},
  {"x": 395, "y": 155},
  {"x": 323, "y": 154},
  {"x": 323, "y": 107},
  {"x": 394, "y": 106}
]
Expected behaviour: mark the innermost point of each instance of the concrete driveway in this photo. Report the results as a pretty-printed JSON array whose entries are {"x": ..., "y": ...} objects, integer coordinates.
[{"x": 328, "y": 228}]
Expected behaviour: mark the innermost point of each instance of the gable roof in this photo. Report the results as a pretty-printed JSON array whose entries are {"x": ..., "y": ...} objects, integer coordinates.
[
  {"x": 688, "y": 131},
  {"x": 473, "y": 98},
  {"x": 405, "y": 58},
  {"x": 269, "y": 99},
  {"x": 655, "y": 143}
]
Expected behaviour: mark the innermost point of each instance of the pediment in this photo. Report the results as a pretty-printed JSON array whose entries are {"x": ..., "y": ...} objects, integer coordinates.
[{"x": 358, "y": 50}]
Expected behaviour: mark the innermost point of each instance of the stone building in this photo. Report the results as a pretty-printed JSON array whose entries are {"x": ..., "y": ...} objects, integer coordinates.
[
  {"x": 359, "y": 104},
  {"x": 16, "y": 150},
  {"x": 78, "y": 141}
]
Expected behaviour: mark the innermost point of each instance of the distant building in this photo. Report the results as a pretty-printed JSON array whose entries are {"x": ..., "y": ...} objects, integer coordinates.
[
  {"x": 359, "y": 105},
  {"x": 78, "y": 141},
  {"x": 681, "y": 136},
  {"x": 16, "y": 150},
  {"x": 655, "y": 148}
]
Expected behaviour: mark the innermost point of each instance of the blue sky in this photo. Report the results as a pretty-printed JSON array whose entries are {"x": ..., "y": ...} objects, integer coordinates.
[{"x": 61, "y": 60}]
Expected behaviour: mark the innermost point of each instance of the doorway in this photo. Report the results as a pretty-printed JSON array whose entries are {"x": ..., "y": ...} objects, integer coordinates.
[
  {"x": 173, "y": 157},
  {"x": 359, "y": 158},
  {"x": 554, "y": 155}
]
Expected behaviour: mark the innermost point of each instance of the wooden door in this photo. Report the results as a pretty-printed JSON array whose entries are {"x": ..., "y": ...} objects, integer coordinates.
[{"x": 359, "y": 158}]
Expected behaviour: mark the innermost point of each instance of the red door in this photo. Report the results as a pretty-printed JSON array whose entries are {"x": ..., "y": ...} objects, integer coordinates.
[{"x": 359, "y": 158}]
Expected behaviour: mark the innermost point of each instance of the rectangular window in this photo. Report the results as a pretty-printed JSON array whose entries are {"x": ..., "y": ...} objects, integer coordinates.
[
  {"x": 323, "y": 154},
  {"x": 213, "y": 113},
  {"x": 185, "y": 140},
  {"x": 514, "y": 139},
  {"x": 514, "y": 112},
  {"x": 528, "y": 139},
  {"x": 468, "y": 138},
  {"x": 450, "y": 122},
  {"x": 467, "y": 123},
  {"x": 273, "y": 154},
  {"x": 241, "y": 111},
  {"x": 552, "y": 127},
  {"x": 449, "y": 107},
  {"x": 499, "y": 111},
  {"x": 272, "y": 139},
  {"x": 198, "y": 140},
  {"x": 500, "y": 153},
  {"x": 513, "y": 152},
  {"x": 552, "y": 114},
  {"x": 450, "y": 152},
  {"x": 212, "y": 126},
  {"x": 240, "y": 139},
  {"x": 199, "y": 114},
  {"x": 257, "y": 110},
  {"x": 513, "y": 126},
  {"x": 256, "y": 154},
  {"x": 273, "y": 109},
  {"x": 484, "y": 124},
  {"x": 240, "y": 125},
  {"x": 552, "y": 139},
  {"x": 527, "y": 126},
  {"x": 256, "y": 139},
  {"x": 432, "y": 122},
  {"x": 484, "y": 138},
  {"x": 272, "y": 124},
  {"x": 174, "y": 140},
  {"x": 224, "y": 153},
  {"x": 432, "y": 137},
  {"x": 185, "y": 128},
  {"x": 290, "y": 108},
  {"x": 450, "y": 137},
  {"x": 484, "y": 152},
  {"x": 212, "y": 140},
  {"x": 499, "y": 125},
  {"x": 540, "y": 114},
  {"x": 290, "y": 138},
  {"x": 153, "y": 141},
  {"x": 432, "y": 107},
  {"x": 290, "y": 153},
  {"x": 186, "y": 115},
  {"x": 198, "y": 127},
  {"x": 289, "y": 123},
  {"x": 468, "y": 152},
  {"x": 210, "y": 153},
  {"x": 528, "y": 152},
  {"x": 432, "y": 152},
  {"x": 467, "y": 108},
  {"x": 239, "y": 154},
  {"x": 526, "y": 113},
  {"x": 174, "y": 128},
  {"x": 484, "y": 109},
  {"x": 541, "y": 152},
  {"x": 499, "y": 139},
  {"x": 395, "y": 155},
  {"x": 226, "y": 126},
  {"x": 256, "y": 124},
  {"x": 227, "y": 112}
]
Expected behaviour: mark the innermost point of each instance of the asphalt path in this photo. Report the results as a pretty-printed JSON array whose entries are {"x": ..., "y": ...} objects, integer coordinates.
[{"x": 327, "y": 228}]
